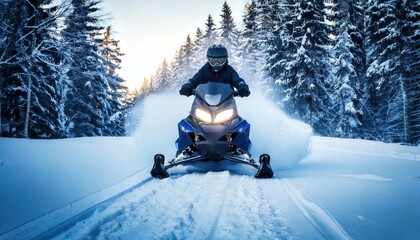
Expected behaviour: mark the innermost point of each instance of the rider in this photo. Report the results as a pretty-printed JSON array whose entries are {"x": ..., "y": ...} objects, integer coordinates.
[{"x": 216, "y": 69}]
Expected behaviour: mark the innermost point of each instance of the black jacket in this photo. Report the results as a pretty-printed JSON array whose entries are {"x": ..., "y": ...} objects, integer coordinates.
[{"x": 226, "y": 75}]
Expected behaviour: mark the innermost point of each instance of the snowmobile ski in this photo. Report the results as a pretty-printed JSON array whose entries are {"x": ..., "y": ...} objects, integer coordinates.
[
  {"x": 264, "y": 170},
  {"x": 158, "y": 170}
]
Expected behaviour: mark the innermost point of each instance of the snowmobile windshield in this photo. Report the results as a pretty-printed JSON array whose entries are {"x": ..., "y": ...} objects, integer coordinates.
[{"x": 214, "y": 93}]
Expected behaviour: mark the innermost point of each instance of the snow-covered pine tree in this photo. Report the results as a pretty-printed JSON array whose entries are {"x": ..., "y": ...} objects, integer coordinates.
[
  {"x": 274, "y": 39},
  {"x": 264, "y": 32},
  {"x": 409, "y": 15},
  {"x": 307, "y": 80},
  {"x": 210, "y": 26},
  {"x": 28, "y": 69},
  {"x": 227, "y": 28},
  {"x": 229, "y": 34},
  {"x": 44, "y": 111},
  {"x": 199, "y": 50},
  {"x": 346, "y": 85},
  {"x": 385, "y": 90},
  {"x": 248, "y": 44},
  {"x": 117, "y": 91},
  {"x": 162, "y": 78},
  {"x": 145, "y": 88},
  {"x": 198, "y": 41},
  {"x": 175, "y": 68},
  {"x": 87, "y": 106},
  {"x": 182, "y": 70},
  {"x": 210, "y": 35},
  {"x": 356, "y": 30},
  {"x": 188, "y": 56},
  {"x": 111, "y": 52},
  {"x": 290, "y": 33},
  {"x": 2, "y": 49},
  {"x": 274, "y": 49},
  {"x": 198, "y": 35},
  {"x": 12, "y": 21}
]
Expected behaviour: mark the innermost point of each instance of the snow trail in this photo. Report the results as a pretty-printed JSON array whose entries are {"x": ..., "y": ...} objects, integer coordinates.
[
  {"x": 243, "y": 200},
  {"x": 213, "y": 200},
  {"x": 215, "y": 205},
  {"x": 318, "y": 216},
  {"x": 222, "y": 198}
]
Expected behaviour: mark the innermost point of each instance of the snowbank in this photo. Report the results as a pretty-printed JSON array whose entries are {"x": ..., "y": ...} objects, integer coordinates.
[
  {"x": 272, "y": 132},
  {"x": 39, "y": 176}
]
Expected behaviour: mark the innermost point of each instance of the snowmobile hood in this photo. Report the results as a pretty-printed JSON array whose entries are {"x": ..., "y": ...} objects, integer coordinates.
[{"x": 214, "y": 93}]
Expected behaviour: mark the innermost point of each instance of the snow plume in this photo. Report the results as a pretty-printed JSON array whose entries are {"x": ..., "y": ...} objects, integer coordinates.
[
  {"x": 157, "y": 129},
  {"x": 272, "y": 132}
]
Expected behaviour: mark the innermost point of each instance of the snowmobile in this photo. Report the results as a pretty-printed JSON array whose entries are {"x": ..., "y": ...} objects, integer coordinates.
[{"x": 213, "y": 132}]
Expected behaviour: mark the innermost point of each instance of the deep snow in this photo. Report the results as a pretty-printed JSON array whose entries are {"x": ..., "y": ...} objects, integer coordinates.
[
  {"x": 38, "y": 176},
  {"x": 96, "y": 188}
]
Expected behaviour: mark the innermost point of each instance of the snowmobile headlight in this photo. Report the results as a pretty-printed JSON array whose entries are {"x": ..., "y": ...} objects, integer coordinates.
[
  {"x": 203, "y": 115},
  {"x": 224, "y": 116}
]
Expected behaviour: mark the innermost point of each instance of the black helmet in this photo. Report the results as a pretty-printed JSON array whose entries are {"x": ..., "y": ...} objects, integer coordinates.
[{"x": 217, "y": 56}]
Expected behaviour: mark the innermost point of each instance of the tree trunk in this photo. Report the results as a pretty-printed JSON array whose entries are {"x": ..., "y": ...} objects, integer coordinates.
[
  {"x": 28, "y": 108},
  {"x": 406, "y": 128},
  {"x": 412, "y": 114},
  {"x": 28, "y": 96}
]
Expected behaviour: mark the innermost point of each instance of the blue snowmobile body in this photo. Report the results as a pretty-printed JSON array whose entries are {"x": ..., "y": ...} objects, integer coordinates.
[
  {"x": 213, "y": 132},
  {"x": 216, "y": 143}
]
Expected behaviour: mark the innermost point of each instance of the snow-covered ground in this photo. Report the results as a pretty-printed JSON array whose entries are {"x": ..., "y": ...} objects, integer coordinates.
[{"x": 100, "y": 188}]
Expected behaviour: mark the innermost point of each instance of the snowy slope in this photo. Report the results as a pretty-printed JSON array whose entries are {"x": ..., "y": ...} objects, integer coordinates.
[{"x": 97, "y": 188}]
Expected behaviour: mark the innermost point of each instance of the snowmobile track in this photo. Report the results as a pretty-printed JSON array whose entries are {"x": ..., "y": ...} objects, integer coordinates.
[
  {"x": 221, "y": 207},
  {"x": 212, "y": 205},
  {"x": 153, "y": 210},
  {"x": 248, "y": 212}
]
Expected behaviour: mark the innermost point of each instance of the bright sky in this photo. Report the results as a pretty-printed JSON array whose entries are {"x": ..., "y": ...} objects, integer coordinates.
[{"x": 151, "y": 30}]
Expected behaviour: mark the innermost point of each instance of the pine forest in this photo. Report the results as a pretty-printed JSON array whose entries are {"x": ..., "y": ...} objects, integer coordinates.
[{"x": 348, "y": 68}]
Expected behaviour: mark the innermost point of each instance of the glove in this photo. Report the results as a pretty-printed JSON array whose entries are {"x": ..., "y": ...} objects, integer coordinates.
[
  {"x": 243, "y": 90},
  {"x": 186, "y": 90}
]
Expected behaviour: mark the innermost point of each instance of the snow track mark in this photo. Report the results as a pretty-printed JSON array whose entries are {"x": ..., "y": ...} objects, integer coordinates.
[
  {"x": 221, "y": 197},
  {"x": 173, "y": 208},
  {"x": 322, "y": 220},
  {"x": 247, "y": 213},
  {"x": 215, "y": 205}
]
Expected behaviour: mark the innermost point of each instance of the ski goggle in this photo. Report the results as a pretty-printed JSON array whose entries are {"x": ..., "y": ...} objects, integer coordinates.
[{"x": 216, "y": 62}]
